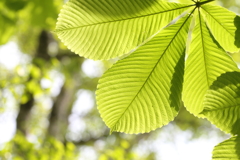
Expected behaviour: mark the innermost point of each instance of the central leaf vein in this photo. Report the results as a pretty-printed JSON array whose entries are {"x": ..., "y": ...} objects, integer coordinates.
[
  {"x": 218, "y": 22},
  {"x": 203, "y": 47},
  {"x": 60, "y": 30},
  {"x": 154, "y": 67}
]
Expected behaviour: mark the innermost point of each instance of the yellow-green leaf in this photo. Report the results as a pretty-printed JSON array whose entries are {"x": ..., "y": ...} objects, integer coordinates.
[
  {"x": 143, "y": 91},
  {"x": 222, "y": 103},
  {"x": 227, "y": 150},
  {"x": 104, "y": 29},
  {"x": 224, "y": 25},
  {"x": 206, "y": 61}
]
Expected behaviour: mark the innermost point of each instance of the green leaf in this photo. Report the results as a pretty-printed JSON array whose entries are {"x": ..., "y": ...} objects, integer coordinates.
[
  {"x": 224, "y": 25},
  {"x": 104, "y": 29},
  {"x": 143, "y": 91},
  {"x": 206, "y": 61},
  {"x": 222, "y": 103},
  {"x": 227, "y": 150}
]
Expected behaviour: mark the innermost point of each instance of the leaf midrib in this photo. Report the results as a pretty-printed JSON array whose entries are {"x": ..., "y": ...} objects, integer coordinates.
[
  {"x": 154, "y": 67},
  {"x": 60, "y": 30},
  {"x": 217, "y": 21},
  {"x": 203, "y": 47}
]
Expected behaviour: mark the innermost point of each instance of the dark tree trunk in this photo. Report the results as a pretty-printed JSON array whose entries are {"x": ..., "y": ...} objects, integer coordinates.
[
  {"x": 58, "y": 120},
  {"x": 24, "y": 114},
  {"x": 25, "y": 108}
]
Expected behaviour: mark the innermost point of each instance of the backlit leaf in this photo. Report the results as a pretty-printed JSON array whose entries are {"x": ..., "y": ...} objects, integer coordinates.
[
  {"x": 206, "y": 61},
  {"x": 143, "y": 91},
  {"x": 227, "y": 150},
  {"x": 224, "y": 25},
  {"x": 222, "y": 103},
  {"x": 104, "y": 29}
]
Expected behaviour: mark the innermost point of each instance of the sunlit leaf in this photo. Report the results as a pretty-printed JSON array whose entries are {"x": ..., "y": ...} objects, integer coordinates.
[
  {"x": 143, "y": 91},
  {"x": 207, "y": 60},
  {"x": 227, "y": 150},
  {"x": 224, "y": 25},
  {"x": 222, "y": 103},
  {"x": 104, "y": 29}
]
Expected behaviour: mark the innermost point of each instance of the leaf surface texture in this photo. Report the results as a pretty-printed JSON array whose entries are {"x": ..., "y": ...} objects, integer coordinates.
[
  {"x": 224, "y": 25},
  {"x": 104, "y": 29},
  {"x": 227, "y": 150},
  {"x": 206, "y": 61},
  {"x": 143, "y": 91},
  {"x": 222, "y": 103}
]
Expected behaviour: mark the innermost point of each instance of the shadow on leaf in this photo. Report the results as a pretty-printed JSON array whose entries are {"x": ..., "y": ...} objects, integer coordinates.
[
  {"x": 229, "y": 149},
  {"x": 222, "y": 103},
  {"x": 177, "y": 84},
  {"x": 237, "y": 146},
  {"x": 227, "y": 79},
  {"x": 237, "y": 33},
  {"x": 231, "y": 80}
]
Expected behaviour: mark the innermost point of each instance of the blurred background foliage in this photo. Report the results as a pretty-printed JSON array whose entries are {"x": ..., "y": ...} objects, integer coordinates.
[{"x": 48, "y": 96}]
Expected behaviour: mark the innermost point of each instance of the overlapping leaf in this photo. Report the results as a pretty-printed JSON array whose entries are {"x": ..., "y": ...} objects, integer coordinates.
[
  {"x": 222, "y": 103},
  {"x": 224, "y": 25},
  {"x": 206, "y": 61},
  {"x": 143, "y": 91},
  {"x": 104, "y": 29},
  {"x": 227, "y": 150}
]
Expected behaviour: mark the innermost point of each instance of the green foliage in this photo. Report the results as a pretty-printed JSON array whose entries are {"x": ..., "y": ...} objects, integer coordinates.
[
  {"x": 107, "y": 29},
  {"x": 21, "y": 149},
  {"x": 151, "y": 101},
  {"x": 118, "y": 153},
  {"x": 224, "y": 27},
  {"x": 206, "y": 61},
  {"x": 15, "y": 5},
  {"x": 7, "y": 21},
  {"x": 227, "y": 150},
  {"x": 17, "y": 12},
  {"x": 43, "y": 13},
  {"x": 143, "y": 91},
  {"x": 222, "y": 103}
]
